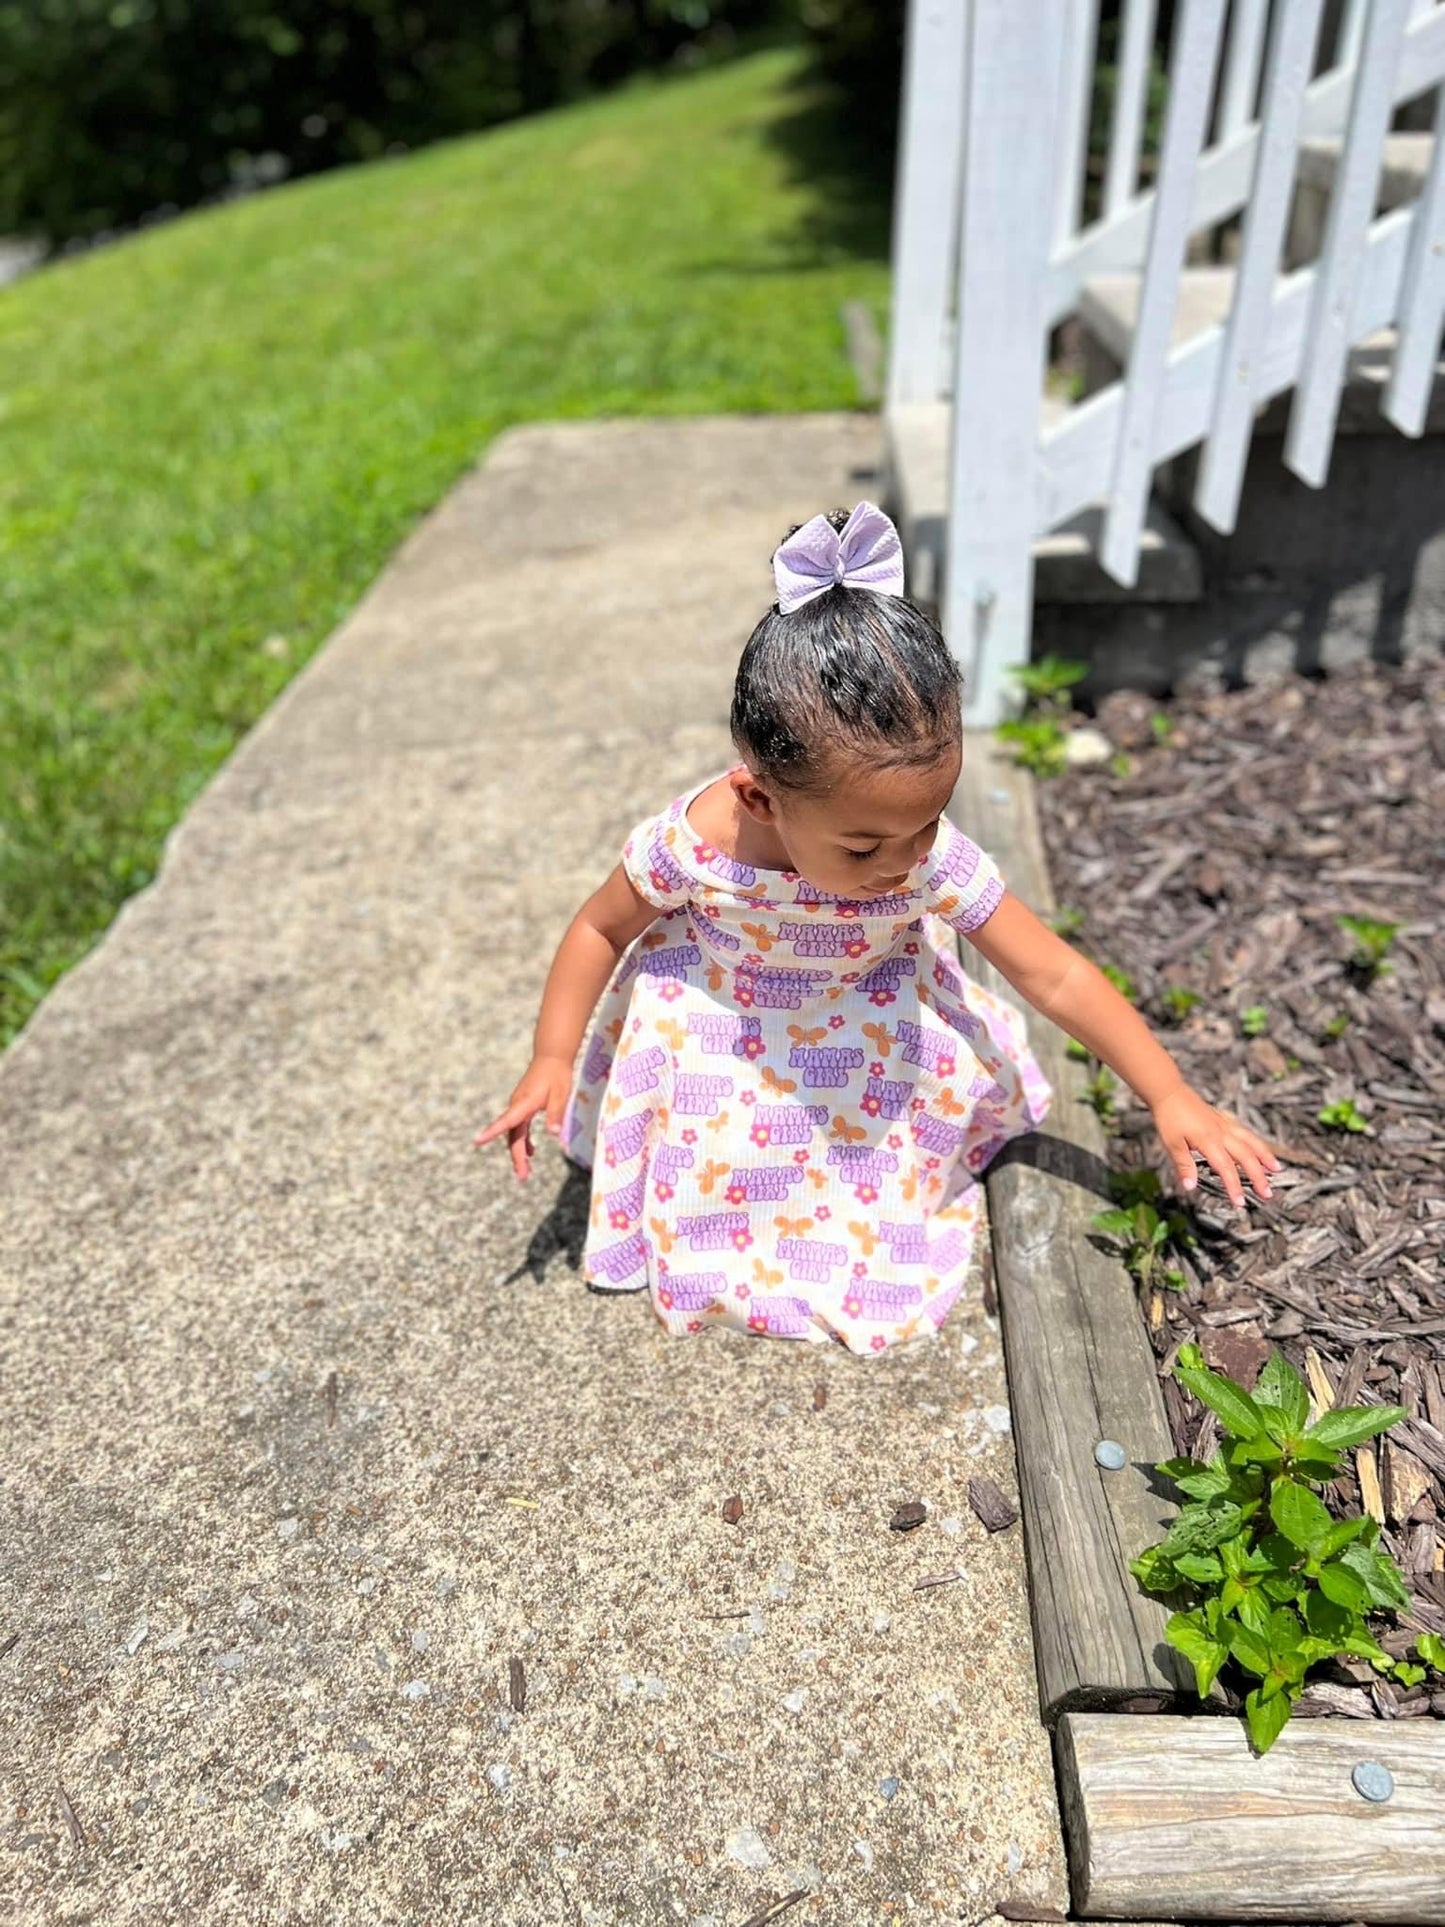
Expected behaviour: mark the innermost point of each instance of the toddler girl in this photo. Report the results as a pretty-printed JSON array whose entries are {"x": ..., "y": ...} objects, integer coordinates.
[{"x": 792, "y": 1087}]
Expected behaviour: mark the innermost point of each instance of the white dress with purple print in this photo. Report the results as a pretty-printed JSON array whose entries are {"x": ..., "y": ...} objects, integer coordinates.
[{"x": 787, "y": 1098}]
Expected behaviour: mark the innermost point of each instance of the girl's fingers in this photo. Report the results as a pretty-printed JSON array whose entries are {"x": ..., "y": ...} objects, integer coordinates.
[
  {"x": 514, "y": 1115},
  {"x": 556, "y": 1106},
  {"x": 1219, "y": 1160},
  {"x": 521, "y": 1145},
  {"x": 1252, "y": 1166},
  {"x": 1184, "y": 1165}
]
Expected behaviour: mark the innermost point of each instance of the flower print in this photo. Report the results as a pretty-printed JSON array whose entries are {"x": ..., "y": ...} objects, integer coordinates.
[
  {"x": 747, "y": 1097},
  {"x": 694, "y": 1324},
  {"x": 845, "y": 907},
  {"x": 670, "y": 990},
  {"x": 851, "y": 976},
  {"x": 853, "y": 1305},
  {"x": 704, "y": 852},
  {"x": 836, "y": 1023},
  {"x": 875, "y": 1069},
  {"x": 877, "y": 1341},
  {"x": 760, "y": 1135},
  {"x": 931, "y": 1164},
  {"x": 618, "y": 1219},
  {"x": 689, "y": 1136},
  {"x": 800, "y": 1157},
  {"x": 740, "y": 1240},
  {"x": 637, "y": 1024},
  {"x": 946, "y": 1066},
  {"x": 753, "y": 961},
  {"x": 895, "y": 1143},
  {"x": 610, "y": 1158},
  {"x": 662, "y": 1192},
  {"x": 758, "y": 1321},
  {"x": 741, "y": 1290},
  {"x": 856, "y": 946},
  {"x": 860, "y": 1270},
  {"x": 824, "y": 1212},
  {"x": 736, "y": 1193},
  {"x": 870, "y": 1103},
  {"x": 753, "y": 1047},
  {"x": 664, "y": 1298},
  {"x": 866, "y": 1193},
  {"x": 881, "y": 998},
  {"x": 916, "y": 1104},
  {"x": 743, "y": 996},
  {"x": 910, "y": 950}
]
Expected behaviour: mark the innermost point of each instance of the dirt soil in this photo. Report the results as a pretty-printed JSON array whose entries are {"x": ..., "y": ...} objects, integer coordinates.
[{"x": 1220, "y": 863}]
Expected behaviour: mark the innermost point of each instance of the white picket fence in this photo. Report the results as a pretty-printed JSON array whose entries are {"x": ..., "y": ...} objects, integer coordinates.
[{"x": 990, "y": 251}]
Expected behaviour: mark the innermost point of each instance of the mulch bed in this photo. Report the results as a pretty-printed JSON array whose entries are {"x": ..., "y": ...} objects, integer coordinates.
[{"x": 1220, "y": 863}]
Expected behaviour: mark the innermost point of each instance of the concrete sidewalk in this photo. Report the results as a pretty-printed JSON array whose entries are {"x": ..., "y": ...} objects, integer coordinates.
[{"x": 311, "y": 1430}]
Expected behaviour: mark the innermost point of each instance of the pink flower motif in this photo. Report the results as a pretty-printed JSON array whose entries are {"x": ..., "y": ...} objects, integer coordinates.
[
  {"x": 748, "y": 1097},
  {"x": 866, "y": 1193},
  {"x": 754, "y": 960},
  {"x": 742, "y": 1291},
  {"x": 741, "y": 1240},
  {"x": 758, "y": 1322},
  {"x": 689, "y": 1136},
  {"x": 823, "y": 1213},
  {"x": 753, "y": 1047},
  {"x": 946, "y": 1066},
  {"x": 736, "y": 1193},
  {"x": 694, "y": 1324},
  {"x": 610, "y": 1157},
  {"x": 662, "y": 1192},
  {"x": 743, "y": 996},
  {"x": 800, "y": 1157},
  {"x": 860, "y": 1270},
  {"x": 875, "y": 1069},
  {"x": 910, "y": 949},
  {"x": 619, "y": 1220},
  {"x": 916, "y": 1105},
  {"x": 853, "y": 1305},
  {"x": 836, "y": 1023},
  {"x": 664, "y": 1298},
  {"x": 882, "y": 997},
  {"x": 877, "y": 1341},
  {"x": 760, "y": 1134},
  {"x": 895, "y": 1143},
  {"x": 637, "y": 1023},
  {"x": 847, "y": 908},
  {"x": 704, "y": 852},
  {"x": 871, "y": 1103},
  {"x": 931, "y": 1164},
  {"x": 670, "y": 991},
  {"x": 856, "y": 946}
]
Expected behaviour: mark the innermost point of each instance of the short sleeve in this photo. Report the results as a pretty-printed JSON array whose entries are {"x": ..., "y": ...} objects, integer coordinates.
[
  {"x": 651, "y": 865},
  {"x": 962, "y": 882}
]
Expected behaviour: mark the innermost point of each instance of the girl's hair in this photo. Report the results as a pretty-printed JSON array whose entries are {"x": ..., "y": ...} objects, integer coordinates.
[{"x": 852, "y": 671}]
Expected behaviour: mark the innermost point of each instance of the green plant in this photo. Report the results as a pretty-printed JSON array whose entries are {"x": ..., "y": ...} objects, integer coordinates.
[
  {"x": 1080, "y": 1053},
  {"x": 1372, "y": 940},
  {"x": 1273, "y": 1582},
  {"x": 1142, "y": 1230},
  {"x": 1038, "y": 743},
  {"x": 1099, "y": 1094},
  {"x": 1254, "y": 1021},
  {"x": 1046, "y": 684},
  {"x": 1161, "y": 726},
  {"x": 1121, "y": 764},
  {"x": 1178, "y": 1000},
  {"x": 1431, "y": 1648},
  {"x": 1336, "y": 1027},
  {"x": 1121, "y": 980},
  {"x": 1343, "y": 1116},
  {"x": 1066, "y": 922}
]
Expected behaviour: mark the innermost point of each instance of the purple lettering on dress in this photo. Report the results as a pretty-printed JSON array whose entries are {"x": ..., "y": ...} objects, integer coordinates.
[
  {"x": 713, "y": 1230},
  {"x": 694, "y": 1290},
  {"x": 762, "y": 1183},
  {"x": 986, "y": 1091},
  {"x": 962, "y": 1020},
  {"x": 861, "y": 1164},
  {"x": 907, "y": 1243},
  {"x": 724, "y": 1036},
  {"x": 881, "y": 1302},
  {"x": 824, "y": 1068},
  {"x": 714, "y": 933},
  {"x": 810, "y": 1260},
  {"x": 949, "y": 1250},
  {"x": 694, "y": 1095},
  {"x": 668, "y": 1160},
  {"x": 741, "y": 874},
  {"x": 898, "y": 906},
  {"x": 638, "y": 1073},
  {"x": 621, "y": 1261},
  {"x": 626, "y": 1138},
  {"x": 947, "y": 977},
  {"x": 625, "y": 1202},
  {"x": 983, "y": 1154},
  {"x": 776, "y": 986},
  {"x": 823, "y": 939},
  {"x": 598, "y": 1060},
  {"x": 667, "y": 872},
  {"x": 886, "y": 1098},
  {"x": 787, "y": 1123},
  {"x": 675, "y": 961},
  {"x": 934, "y": 1135},
  {"x": 922, "y": 1048},
  {"x": 780, "y": 1317},
  {"x": 960, "y": 860},
  {"x": 887, "y": 975}
]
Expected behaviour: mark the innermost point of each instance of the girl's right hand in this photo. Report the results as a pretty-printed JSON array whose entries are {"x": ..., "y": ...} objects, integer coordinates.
[{"x": 544, "y": 1087}]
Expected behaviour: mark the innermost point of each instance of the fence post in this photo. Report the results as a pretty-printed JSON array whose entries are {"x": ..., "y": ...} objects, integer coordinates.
[
  {"x": 1010, "y": 182},
  {"x": 925, "y": 210}
]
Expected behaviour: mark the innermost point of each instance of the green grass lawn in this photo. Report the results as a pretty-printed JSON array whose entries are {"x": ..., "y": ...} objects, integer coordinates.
[{"x": 212, "y": 436}]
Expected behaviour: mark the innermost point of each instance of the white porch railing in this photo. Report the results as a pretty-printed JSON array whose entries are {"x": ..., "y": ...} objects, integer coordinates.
[{"x": 991, "y": 249}]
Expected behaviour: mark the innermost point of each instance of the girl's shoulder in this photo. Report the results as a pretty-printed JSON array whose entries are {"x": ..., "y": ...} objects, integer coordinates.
[
  {"x": 961, "y": 882},
  {"x": 672, "y": 857}
]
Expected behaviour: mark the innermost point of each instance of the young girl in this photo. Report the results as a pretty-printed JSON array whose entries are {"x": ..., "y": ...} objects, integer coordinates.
[{"x": 792, "y": 1087}]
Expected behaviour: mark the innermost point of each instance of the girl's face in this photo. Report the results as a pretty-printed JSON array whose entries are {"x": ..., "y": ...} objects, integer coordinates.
[{"x": 865, "y": 831}]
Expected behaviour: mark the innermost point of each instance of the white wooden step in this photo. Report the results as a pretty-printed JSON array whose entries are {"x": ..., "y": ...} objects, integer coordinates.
[
  {"x": 1109, "y": 306},
  {"x": 1066, "y": 565}
]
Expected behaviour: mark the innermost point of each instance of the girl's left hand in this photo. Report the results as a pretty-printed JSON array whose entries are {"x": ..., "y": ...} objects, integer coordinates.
[{"x": 1189, "y": 1126}]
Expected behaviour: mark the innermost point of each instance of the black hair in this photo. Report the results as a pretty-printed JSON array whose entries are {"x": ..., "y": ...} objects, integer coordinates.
[{"x": 851, "y": 671}]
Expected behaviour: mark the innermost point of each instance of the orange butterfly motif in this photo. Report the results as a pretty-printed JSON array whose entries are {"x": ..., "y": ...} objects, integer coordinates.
[
  {"x": 760, "y": 934},
  {"x": 717, "y": 1123},
  {"x": 653, "y": 939},
  {"x": 714, "y": 982},
  {"x": 820, "y": 1178},
  {"x": 867, "y": 1238},
  {"x": 948, "y": 1104},
  {"x": 910, "y": 1186},
  {"x": 848, "y": 1133},
  {"x": 881, "y": 1036},
  {"x": 612, "y": 1105},
  {"x": 665, "y": 1239},
  {"x": 710, "y": 1173},
  {"x": 801, "y": 1036},
  {"x": 793, "y": 1227},
  {"x": 762, "y": 1276},
  {"x": 775, "y": 1085},
  {"x": 671, "y": 1032},
  {"x": 614, "y": 1029}
]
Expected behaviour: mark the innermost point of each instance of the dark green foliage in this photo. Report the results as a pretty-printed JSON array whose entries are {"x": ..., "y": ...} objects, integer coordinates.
[{"x": 1266, "y": 1576}]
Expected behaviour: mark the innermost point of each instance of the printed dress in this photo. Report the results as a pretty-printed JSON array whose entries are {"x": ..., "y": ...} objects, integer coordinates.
[{"x": 787, "y": 1098}]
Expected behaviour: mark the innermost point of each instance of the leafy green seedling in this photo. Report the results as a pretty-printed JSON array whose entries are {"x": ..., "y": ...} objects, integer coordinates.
[
  {"x": 1038, "y": 743},
  {"x": 1178, "y": 1000},
  {"x": 1431, "y": 1648},
  {"x": 1343, "y": 1116},
  {"x": 1121, "y": 980},
  {"x": 1372, "y": 940},
  {"x": 1049, "y": 680},
  {"x": 1066, "y": 922},
  {"x": 1254, "y": 1020},
  {"x": 1121, "y": 764},
  {"x": 1273, "y": 1583},
  {"x": 1336, "y": 1027},
  {"x": 1099, "y": 1094},
  {"x": 1161, "y": 726},
  {"x": 1080, "y": 1053},
  {"x": 1142, "y": 1232}
]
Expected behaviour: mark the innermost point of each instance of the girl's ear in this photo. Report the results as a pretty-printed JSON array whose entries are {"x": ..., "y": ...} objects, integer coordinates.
[{"x": 752, "y": 796}]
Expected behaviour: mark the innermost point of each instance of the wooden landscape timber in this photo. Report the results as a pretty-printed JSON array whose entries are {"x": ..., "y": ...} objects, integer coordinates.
[
  {"x": 1175, "y": 1819},
  {"x": 1079, "y": 1364}
]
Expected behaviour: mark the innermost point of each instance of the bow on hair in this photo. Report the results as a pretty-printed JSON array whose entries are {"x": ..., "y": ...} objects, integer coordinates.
[{"x": 865, "y": 554}]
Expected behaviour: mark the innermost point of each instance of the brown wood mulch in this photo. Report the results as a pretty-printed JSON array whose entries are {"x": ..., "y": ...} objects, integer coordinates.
[{"x": 1219, "y": 863}]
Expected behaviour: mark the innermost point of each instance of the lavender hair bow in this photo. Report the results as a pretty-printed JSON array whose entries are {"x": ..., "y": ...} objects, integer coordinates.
[{"x": 866, "y": 554}]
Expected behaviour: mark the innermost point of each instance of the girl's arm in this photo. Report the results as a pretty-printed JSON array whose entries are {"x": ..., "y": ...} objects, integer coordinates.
[
  {"x": 586, "y": 957},
  {"x": 1079, "y": 998}
]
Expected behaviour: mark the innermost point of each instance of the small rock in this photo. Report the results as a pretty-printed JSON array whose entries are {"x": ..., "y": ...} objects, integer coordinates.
[
  {"x": 793, "y": 1702},
  {"x": 881, "y": 1622},
  {"x": 735, "y": 1645},
  {"x": 500, "y": 1776},
  {"x": 745, "y": 1846},
  {"x": 757, "y": 1624},
  {"x": 228, "y": 1662},
  {"x": 908, "y": 1516},
  {"x": 335, "y": 1841},
  {"x": 366, "y": 1587},
  {"x": 1289, "y": 1324},
  {"x": 888, "y": 1787},
  {"x": 998, "y": 1419},
  {"x": 732, "y": 1510},
  {"x": 780, "y": 1408},
  {"x": 951, "y": 1526},
  {"x": 626, "y": 1686},
  {"x": 420, "y": 1641},
  {"x": 137, "y": 1636},
  {"x": 1015, "y": 1856},
  {"x": 287, "y": 1528},
  {"x": 865, "y": 1853},
  {"x": 654, "y": 1689},
  {"x": 247, "y": 1603},
  {"x": 415, "y": 1689},
  {"x": 1087, "y": 748}
]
